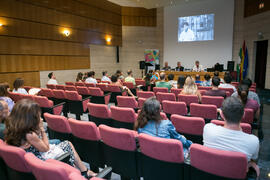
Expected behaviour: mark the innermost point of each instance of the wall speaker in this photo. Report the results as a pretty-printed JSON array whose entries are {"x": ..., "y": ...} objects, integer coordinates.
[
  {"x": 230, "y": 66},
  {"x": 142, "y": 65}
]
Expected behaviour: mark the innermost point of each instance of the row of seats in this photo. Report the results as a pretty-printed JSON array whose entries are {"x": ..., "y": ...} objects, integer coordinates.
[{"x": 157, "y": 158}]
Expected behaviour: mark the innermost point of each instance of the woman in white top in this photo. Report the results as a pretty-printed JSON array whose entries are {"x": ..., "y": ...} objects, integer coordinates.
[{"x": 18, "y": 86}]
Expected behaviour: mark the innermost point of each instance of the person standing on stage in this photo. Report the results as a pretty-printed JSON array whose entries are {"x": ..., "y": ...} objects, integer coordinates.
[
  {"x": 166, "y": 67},
  {"x": 179, "y": 67},
  {"x": 197, "y": 67}
]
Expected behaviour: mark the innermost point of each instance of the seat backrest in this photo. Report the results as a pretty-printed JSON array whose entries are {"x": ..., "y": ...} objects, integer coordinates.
[
  {"x": 172, "y": 107},
  {"x": 215, "y": 100},
  {"x": 60, "y": 87},
  {"x": 71, "y": 88},
  {"x": 43, "y": 101},
  {"x": 248, "y": 116},
  {"x": 188, "y": 125},
  {"x": 107, "y": 82},
  {"x": 51, "y": 86},
  {"x": 79, "y": 84},
  {"x": 129, "y": 85},
  {"x": 176, "y": 91},
  {"x": 169, "y": 150},
  {"x": 95, "y": 91},
  {"x": 207, "y": 111},
  {"x": 15, "y": 96},
  {"x": 122, "y": 139},
  {"x": 235, "y": 84},
  {"x": 140, "y": 82},
  {"x": 141, "y": 102},
  {"x": 99, "y": 110},
  {"x": 126, "y": 101},
  {"x": 252, "y": 89},
  {"x": 27, "y": 96},
  {"x": 14, "y": 157},
  {"x": 59, "y": 94},
  {"x": 84, "y": 130},
  {"x": 188, "y": 99},
  {"x": 123, "y": 114},
  {"x": 165, "y": 96},
  {"x": 245, "y": 126},
  {"x": 113, "y": 88},
  {"x": 70, "y": 83},
  {"x": 46, "y": 92},
  {"x": 57, "y": 123},
  {"x": 230, "y": 90},
  {"x": 160, "y": 89},
  {"x": 204, "y": 88},
  {"x": 82, "y": 90},
  {"x": 90, "y": 84},
  {"x": 218, "y": 162},
  {"x": 73, "y": 95},
  {"x": 103, "y": 87},
  {"x": 145, "y": 94}
]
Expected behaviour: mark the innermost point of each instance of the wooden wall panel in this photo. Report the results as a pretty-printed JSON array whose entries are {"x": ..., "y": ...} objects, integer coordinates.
[
  {"x": 252, "y": 7},
  {"x": 133, "y": 16},
  {"x": 30, "y": 78}
]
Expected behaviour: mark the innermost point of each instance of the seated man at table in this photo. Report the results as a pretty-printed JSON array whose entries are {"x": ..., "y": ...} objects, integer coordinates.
[
  {"x": 162, "y": 82},
  {"x": 166, "y": 67},
  {"x": 197, "y": 67},
  {"x": 215, "y": 91},
  {"x": 179, "y": 67}
]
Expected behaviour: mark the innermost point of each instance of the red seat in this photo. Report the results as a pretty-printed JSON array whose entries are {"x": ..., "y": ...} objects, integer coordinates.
[
  {"x": 90, "y": 84},
  {"x": 99, "y": 114},
  {"x": 123, "y": 117},
  {"x": 248, "y": 116},
  {"x": 188, "y": 99},
  {"x": 61, "y": 97},
  {"x": 106, "y": 82},
  {"x": 46, "y": 92},
  {"x": 60, "y": 87},
  {"x": 252, "y": 89},
  {"x": 230, "y": 90},
  {"x": 70, "y": 83},
  {"x": 206, "y": 111},
  {"x": 235, "y": 84},
  {"x": 129, "y": 85},
  {"x": 15, "y": 96},
  {"x": 140, "y": 82},
  {"x": 27, "y": 96},
  {"x": 161, "y": 155},
  {"x": 209, "y": 163},
  {"x": 141, "y": 101},
  {"x": 115, "y": 91},
  {"x": 103, "y": 87},
  {"x": 160, "y": 89},
  {"x": 171, "y": 107},
  {"x": 97, "y": 96},
  {"x": 83, "y": 91},
  {"x": 204, "y": 88},
  {"x": 215, "y": 100},
  {"x": 48, "y": 106},
  {"x": 51, "y": 86},
  {"x": 71, "y": 88},
  {"x": 145, "y": 94},
  {"x": 245, "y": 126},
  {"x": 79, "y": 84},
  {"x": 176, "y": 91},
  {"x": 127, "y": 101},
  {"x": 165, "y": 96},
  {"x": 190, "y": 127}
]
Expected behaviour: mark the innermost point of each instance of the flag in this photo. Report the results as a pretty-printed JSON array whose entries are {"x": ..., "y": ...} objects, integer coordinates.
[
  {"x": 238, "y": 72},
  {"x": 242, "y": 58},
  {"x": 245, "y": 64}
]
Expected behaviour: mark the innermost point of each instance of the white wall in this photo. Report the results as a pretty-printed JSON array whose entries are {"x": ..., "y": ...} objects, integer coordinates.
[{"x": 207, "y": 52}]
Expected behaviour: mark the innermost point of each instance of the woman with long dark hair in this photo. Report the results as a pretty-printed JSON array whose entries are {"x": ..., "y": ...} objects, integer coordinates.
[{"x": 150, "y": 122}]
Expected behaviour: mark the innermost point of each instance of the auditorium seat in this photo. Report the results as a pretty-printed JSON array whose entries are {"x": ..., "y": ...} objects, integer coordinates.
[
  {"x": 58, "y": 127},
  {"x": 106, "y": 82},
  {"x": 123, "y": 117},
  {"x": 252, "y": 89},
  {"x": 190, "y": 127},
  {"x": 70, "y": 88},
  {"x": 46, "y": 92},
  {"x": 245, "y": 126},
  {"x": 62, "y": 87},
  {"x": 98, "y": 96},
  {"x": 83, "y": 91},
  {"x": 103, "y": 87},
  {"x": 131, "y": 87},
  {"x": 230, "y": 90},
  {"x": 160, "y": 89},
  {"x": 204, "y": 88},
  {"x": 27, "y": 96},
  {"x": 51, "y": 86},
  {"x": 140, "y": 82},
  {"x": 171, "y": 107},
  {"x": 15, "y": 163},
  {"x": 161, "y": 158},
  {"x": 99, "y": 114},
  {"x": 120, "y": 151},
  {"x": 165, "y": 96},
  {"x": 141, "y": 102},
  {"x": 235, "y": 84},
  {"x": 188, "y": 99},
  {"x": 70, "y": 83},
  {"x": 47, "y": 106},
  {"x": 214, "y": 164},
  {"x": 15, "y": 96},
  {"x": 76, "y": 104},
  {"x": 145, "y": 94},
  {"x": 248, "y": 116},
  {"x": 176, "y": 91},
  {"x": 115, "y": 91},
  {"x": 206, "y": 111},
  {"x": 90, "y": 84},
  {"x": 127, "y": 101},
  {"x": 86, "y": 139},
  {"x": 215, "y": 100},
  {"x": 79, "y": 84},
  {"x": 202, "y": 92},
  {"x": 61, "y": 97}
]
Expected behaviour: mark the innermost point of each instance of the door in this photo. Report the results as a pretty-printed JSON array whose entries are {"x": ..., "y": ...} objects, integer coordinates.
[{"x": 260, "y": 67}]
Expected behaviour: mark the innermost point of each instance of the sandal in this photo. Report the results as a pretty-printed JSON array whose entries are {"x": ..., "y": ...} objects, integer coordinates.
[{"x": 86, "y": 175}]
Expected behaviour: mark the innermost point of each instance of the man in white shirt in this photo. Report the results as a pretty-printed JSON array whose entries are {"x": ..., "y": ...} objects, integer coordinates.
[
  {"x": 105, "y": 76},
  {"x": 91, "y": 78},
  {"x": 197, "y": 67},
  {"x": 52, "y": 79},
  {"x": 231, "y": 137},
  {"x": 227, "y": 83},
  {"x": 187, "y": 34}
]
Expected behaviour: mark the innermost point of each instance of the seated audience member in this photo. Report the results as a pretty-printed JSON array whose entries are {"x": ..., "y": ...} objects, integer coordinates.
[
  {"x": 198, "y": 79},
  {"x": 181, "y": 81},
  {"x": 4, "y": 95},
  {"x": 18, "y": 86},
  {"x": 166, "y": 67},
  {"x": 216, "y": 74},
  {"x": 251, "y": 94},
  {"x": 230, "y": 137},
  {"x": 190, "y": 88},
  {"x": 207, "y": 81},
  {"x": 179, "y": 67},
  {"x": 85, "y": 76},
  {"x": 243, "y": 91},
  {"x": 105, "y": 76},
  {"x": 215, "y": 91},
  {"x": 52, "y": 79},
  {"x": 197, "y": 67},
  {"x": 172, "y": 82},
  {"x": 162, "y": 82},
  {"x": 79, "y": 77},
  {"x": 91, "y": 78},
  {"x": 24, "y": 129},
  {"x": 150, "y": 122},
  {"x": 130, "y": 78},
  {"x": 147, "y": 79},
  {"x": 155, "y": 76},
  {"x": 120, "y": 74},
  {"x": 3, "y": 115},
  {"x": 116, "y": 81},
  {"x": 227, "y": 83}
]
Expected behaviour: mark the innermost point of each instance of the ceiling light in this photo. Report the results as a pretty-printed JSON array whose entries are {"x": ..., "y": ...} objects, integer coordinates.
[
  {"x": 1, "y": 24},
  {"x": 66, "y": 32}
]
